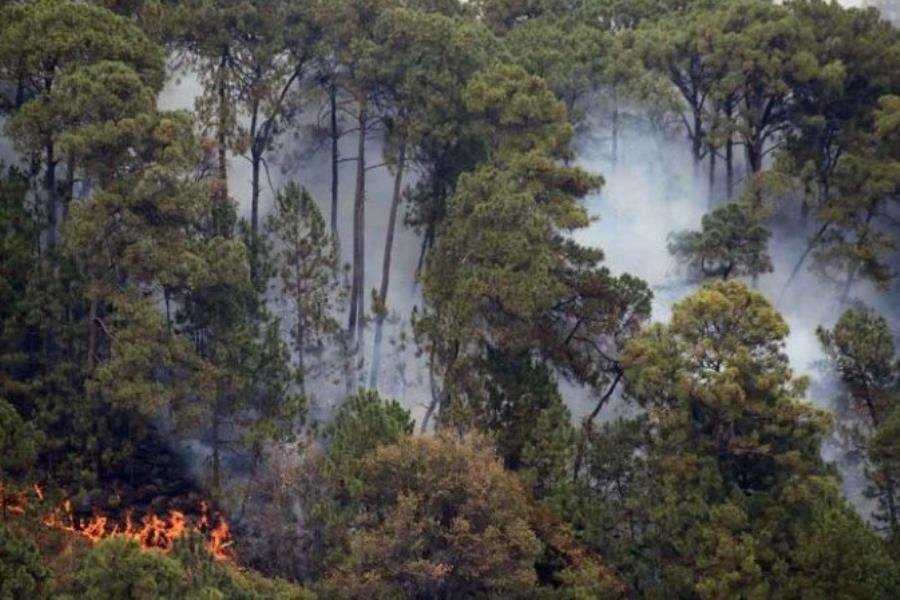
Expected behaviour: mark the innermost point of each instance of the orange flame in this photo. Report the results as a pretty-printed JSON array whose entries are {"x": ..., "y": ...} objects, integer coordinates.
[{"x": 152, "y": 531}]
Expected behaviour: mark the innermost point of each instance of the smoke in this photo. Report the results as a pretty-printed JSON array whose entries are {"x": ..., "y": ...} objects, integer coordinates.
[
  {"x": 652, "y": 189},
  {"x": 402, "y": 373}
]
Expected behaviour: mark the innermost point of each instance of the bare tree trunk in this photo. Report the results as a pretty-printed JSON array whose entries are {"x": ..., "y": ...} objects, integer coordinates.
[
  {"x": 697, "y": 139},
  {"x": 221, "y": 226},
  {"x": 729, "y": 153},
  {"x": 386, "y": 266},
  {"x": 729, "y": 167},
  {"x": 754, "y": 156},
  {"x": 801, "y": 260},
  {"x": 615, "y": 128},
  {"x": 848, "y": 284},
  {"x": 70, "y": 188},
  {"x": 335, "y": 159},
  {"x": 420, "y": 264},
  {"x": 255, "y": 160},
  {"x": 436, "y": 396},
  {"x": 50, "y": 188},
  {"x": 357, "y": 293},
  {"x": 216, "y": 459},
  {"x": 711, "y": 200},
  {"x": 20, "y": 92},
  {"x": 301, "y": 345},
  {"x": 92, "y": 334}
]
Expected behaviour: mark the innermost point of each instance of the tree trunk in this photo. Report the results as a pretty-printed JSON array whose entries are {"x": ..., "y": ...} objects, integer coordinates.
[
  {"x": 711, "y": 200},
  {"x": 755, "y": 155},
  {"x": 697, "y": 140},
  {"x": 69, "y": 189},
  {"x": 848, "y": 284},
  {"x": 386, "y": 266},
  {"x": 357, "y": 293},
  {"x": 729, "y": 167},
  {"x": 615, "y": 129},
  {"x": 255, "y": 161},
  {"x": 729, "y": 153},
  {"x": 335, "y": 159},
  {"x": 92, "y": 334},
  {"x": 801, "y": 260},
  {"x": 50, "y": 188},
  {"x": 301, "y": 339},
  {"x": 216, "y": 460},
  {"x": 221, "y": 224},
  {"x": 436, "y": 396},
  {"x": 20, "y": 92},
  {"x": 427, "y": 238}
]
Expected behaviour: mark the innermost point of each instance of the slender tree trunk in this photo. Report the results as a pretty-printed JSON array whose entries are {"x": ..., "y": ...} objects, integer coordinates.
[
  {"x": 70, "y": 188},
  {"x": 254, "y": 206},
  {"x": 754, "y": 156},
  {"x": 423, "y": 252},
  {"x": 167, "y": 296},
  {"x": 255, "y": 160},
  {"x": 712, "y": 177},
  {"x": 92, "y": 334},
  {"x": 216, "y": 459},
  {"x": 301, "y": 340},
  {"x": 50, "y": 188},
  {"x": 254, "y": 471},
  {"x": 697, "y": 140},
  {"x": 729, "y": 167},
  {"x": 221, "y": 222},
  {"x": 588, "y": 424},
  {"x": 729, "y": 153},
  {"x": 357, "y": 292},
  {"x": 20, "y": 92},
  {"x": 436, "y": 396},
  {"x": 615, "y": 128},
  {"x": 386, "y": 266},
  {"x": 796, "y": 270},
  {"x": 335, "y": 160},
  {"x": 848, "y": 284}
]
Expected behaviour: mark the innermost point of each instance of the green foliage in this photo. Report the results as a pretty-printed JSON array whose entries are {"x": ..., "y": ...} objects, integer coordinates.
[
  {"x": 504, "y": 15},
  {"x": 154, "y": 306},
  {"x": 710, "y": 493},
  {"x": 117, "y": 568},
  {"x": 839, "y": 557},
  {"x": 731, "y": 243},
  {"x": 571, "y": 60},
  {"x": 22, "y": 572},
  {"x": 502, "y": 275},
  {"x": 440, "y": 518},
  {"x": 17, "y": 443},
  {"x": 74, "y": 34},
  {"x": 861, "y": 349},
  {"x": 607, "y": 502},
  {"x": 363, "y": 423},
  {"x": 305, "y": 259},
  {"x": 528, "y": 420}
]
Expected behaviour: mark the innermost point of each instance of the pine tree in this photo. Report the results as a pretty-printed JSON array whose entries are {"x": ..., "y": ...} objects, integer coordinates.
[{"x": 305, "y": 259}]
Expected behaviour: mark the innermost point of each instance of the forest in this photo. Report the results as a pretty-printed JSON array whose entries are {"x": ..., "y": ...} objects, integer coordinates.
[{"x": 449, "y": 299}]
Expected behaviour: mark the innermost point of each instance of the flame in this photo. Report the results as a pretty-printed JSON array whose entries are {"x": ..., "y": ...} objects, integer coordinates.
[
  {"x": 12, "y": 503},
  {"x": 151, "y": 531}
]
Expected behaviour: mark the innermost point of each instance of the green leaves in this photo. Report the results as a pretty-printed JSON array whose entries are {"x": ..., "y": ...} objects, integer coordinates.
[
  {"x": 22, "y": 573},
  {"x": 861, "y": 349},
  {"x": 732, "y": 243},
  {"x": 305, "y": 260},
  {"x": 440, "y": 517}
]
